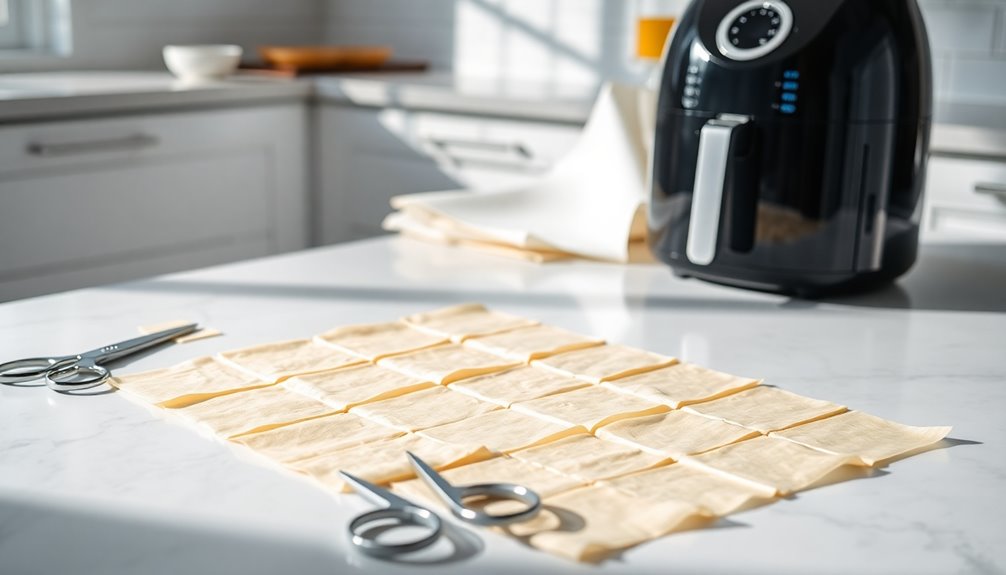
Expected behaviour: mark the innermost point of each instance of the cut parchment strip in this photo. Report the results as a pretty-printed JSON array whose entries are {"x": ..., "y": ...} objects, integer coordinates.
[
  {"x": 348, "y": 387},
  {"x": 385, "y": 461},
  {"x": 446, "y": 363},
  {"x": 202, "y": 333},
  {"x": 466, "y": 320},
  {"x": 766, "y": 409},
  {"x": 589, "y": 459},
  {"x": 316, "y": 437},
  {"x": 185, "y": 384},
  {"x": 590, "y": 523},
  {"x": 518, "y": 384},
  {"x": 867, "y": 437},
  {"x": 675, "y": 434},
  {"x": 377, "y": 340},
  {"x": 274, "y": 362},
  {"x": 714, "y": 493},
  {"x": 424, "y": 409},
  {"x": 681, "y": 384},
  {"x": 591, "y": 407},
  {"x": 535, "y": 342},
  {"x": 252, "y": 411},
  {"x": 542, "y": 481},
  {"x": 772, "y": 465},
  {"x": 604, "y": 363},
  {"x": 503, "y": 431}
]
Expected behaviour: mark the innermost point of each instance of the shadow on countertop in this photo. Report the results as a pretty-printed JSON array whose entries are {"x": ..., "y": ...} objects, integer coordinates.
[
  {"x": 951, "y": 277},
  {"x": 947, "y": 277}
]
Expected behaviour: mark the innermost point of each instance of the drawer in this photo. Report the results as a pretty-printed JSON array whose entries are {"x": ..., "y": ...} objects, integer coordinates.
[
  {"x": 122, "y": 212},
  {"x": 95, "y": 201},
  {"x": 42, "y": 146},
  {"x": 457, "y": 142},
  {"x": 367, "y": 156},
  {"x": 966, "y": 198}
]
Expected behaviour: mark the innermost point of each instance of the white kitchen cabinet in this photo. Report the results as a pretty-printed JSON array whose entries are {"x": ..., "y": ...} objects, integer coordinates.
[
  {"x": 365, "y": 156},
  {"x": 965, "y": 200},
  {"x": 94, "y": 201}
]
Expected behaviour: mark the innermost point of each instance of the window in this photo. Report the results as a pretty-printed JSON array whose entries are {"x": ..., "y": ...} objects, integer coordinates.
[
  {"x": 34, "y": 26},
  {"x": 10, "y": 28}
]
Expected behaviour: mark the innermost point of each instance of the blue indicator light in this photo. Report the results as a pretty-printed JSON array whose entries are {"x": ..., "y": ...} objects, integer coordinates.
[
  {"x": 787, "y": 109},
  {"x": 788, "y": 97},
  {"x": 791, "y": 86},
  {"x": 791, "y": 75}
]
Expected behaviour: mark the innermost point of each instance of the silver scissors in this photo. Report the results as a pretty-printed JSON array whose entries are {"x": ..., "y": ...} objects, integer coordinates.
[
  {"x": 84, "y": 370},
  {"x": 402, "y": 512}
]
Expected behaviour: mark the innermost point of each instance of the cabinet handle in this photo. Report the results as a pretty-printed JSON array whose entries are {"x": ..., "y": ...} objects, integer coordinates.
[
  {"x": 515, "y": 147},
  {"x": 991, "y": 189},
  {"x": 501, "y": 165},
  {"x": 132, "y": 142}
]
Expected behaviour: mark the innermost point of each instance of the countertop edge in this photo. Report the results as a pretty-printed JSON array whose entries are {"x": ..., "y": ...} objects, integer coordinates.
[
  {"x": 391, "y": 92},
  {"x": 46, "y": 108},
  {"x": 954, "y": 132}
]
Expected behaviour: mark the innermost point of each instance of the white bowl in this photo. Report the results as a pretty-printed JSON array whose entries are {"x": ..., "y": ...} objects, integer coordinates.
[{"x": 202, "y": 62}]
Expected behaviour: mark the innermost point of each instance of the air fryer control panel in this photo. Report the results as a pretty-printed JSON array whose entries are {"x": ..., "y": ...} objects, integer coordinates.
[{"x": 754, "y": 29}]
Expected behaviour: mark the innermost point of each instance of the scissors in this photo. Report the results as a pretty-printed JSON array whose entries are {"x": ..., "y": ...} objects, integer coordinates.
[
  {"x": 84, "y": 370},
  {"x": 403, "y": 512}
]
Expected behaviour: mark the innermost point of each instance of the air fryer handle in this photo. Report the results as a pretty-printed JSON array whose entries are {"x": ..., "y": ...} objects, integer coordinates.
[{"x": 716, "y": 141}]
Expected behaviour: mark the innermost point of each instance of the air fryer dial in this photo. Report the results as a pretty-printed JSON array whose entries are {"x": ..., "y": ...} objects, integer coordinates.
[{"x": 754, "y": 29}]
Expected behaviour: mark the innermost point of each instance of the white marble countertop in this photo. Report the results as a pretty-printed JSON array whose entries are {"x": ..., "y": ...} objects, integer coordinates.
[
  {"x": 52, "y": 95},
  {"x": 958, "y": 129},
  {"x": 99, "y": 485},
  {"x": 443, "y": 91},
  {"x": 968, "y": 129}
]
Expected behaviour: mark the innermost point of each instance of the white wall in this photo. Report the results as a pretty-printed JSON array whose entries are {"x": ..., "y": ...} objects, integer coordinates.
[
  {"x": 585, "y": 40},
  {"x": 574, "y": 41},
  {"x": 969, "y": 49},
  {"x": 129, "y": 34},
  {"x": 564, "y": 41}
]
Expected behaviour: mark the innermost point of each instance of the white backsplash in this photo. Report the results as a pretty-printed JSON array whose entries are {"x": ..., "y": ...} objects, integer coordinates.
[
  {"x": 586, "y": 40},
  {"x": 565, "y": 41},
  {"x": 969, "y": 49},
  {"x": 129, "y": 34}
]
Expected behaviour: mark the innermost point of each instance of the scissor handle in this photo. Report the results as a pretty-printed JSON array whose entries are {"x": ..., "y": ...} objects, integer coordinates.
[
  {"x": 366, "y": 539},
  {"x": 500, "y": 491},
  {"x": 454, "y": 496},
  {"x": 30, "y": 369},
  {"x": 76, "y": 375}
]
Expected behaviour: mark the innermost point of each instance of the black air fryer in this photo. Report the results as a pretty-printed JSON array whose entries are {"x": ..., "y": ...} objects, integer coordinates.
[{"x": 791, "y": 143}]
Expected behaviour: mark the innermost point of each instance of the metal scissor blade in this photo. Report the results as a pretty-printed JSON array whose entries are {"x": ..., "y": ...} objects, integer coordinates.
[
  {"x": 447, "y": 492},
  {"x": 376, "y": 495},
  {"x": 136, "y": 344}
]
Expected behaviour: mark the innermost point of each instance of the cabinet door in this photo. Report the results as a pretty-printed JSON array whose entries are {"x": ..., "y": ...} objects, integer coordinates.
[
  {"x": 99, "y": 201},
  {"x": 367, "y": 156},
  {"x": 965, "y": 200}
]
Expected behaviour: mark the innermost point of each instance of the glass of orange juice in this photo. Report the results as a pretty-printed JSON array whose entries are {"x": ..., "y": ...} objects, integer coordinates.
[{"x": 651, "y": 35}]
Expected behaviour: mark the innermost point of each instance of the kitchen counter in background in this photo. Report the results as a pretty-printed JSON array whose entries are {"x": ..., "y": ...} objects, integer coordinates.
[
  {"x": 959, "y": 128},
  {"x": 971, "y": 129},
  {"x": 100, "y": 485},
  {"x": 444, "y": 92},
  {"x": 61, "y": 95}
]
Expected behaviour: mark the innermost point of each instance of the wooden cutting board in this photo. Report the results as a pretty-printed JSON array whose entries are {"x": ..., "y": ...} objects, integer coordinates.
[{"x": 389, "y": 66}]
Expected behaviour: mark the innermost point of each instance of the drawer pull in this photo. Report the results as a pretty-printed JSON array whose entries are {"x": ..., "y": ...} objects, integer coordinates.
[
  {"x": 991, "y": 189},
  {"x": 504, "y": 147},
  {"x": 500, "y": 166},
  {"x": 132, "y": 142}
]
